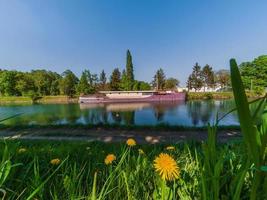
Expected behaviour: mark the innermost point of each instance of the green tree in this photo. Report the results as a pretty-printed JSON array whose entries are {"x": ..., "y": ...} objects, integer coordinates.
[
  {"x": 144, "y": 85},
  {"x": 68, "y": 83},
  {"x": 44, "y": 82},
  {"x": 25, "y": 84},
  {"x": 195, "y": 80},
  {"x": 124, "y": 81},
  {"x": 129, "y": 71},
  {"x": 171, "y": 83},
  {"x": 141, "y": 85},
  {"x": 208, "y": 77},
  {"x": 115, "y": 79},
  {"x": 102, "y": 80},
  {"x": 83, "y": 86},
  {"x": 254, "y": 74},
  {"x": 8, "y": 81},
  {"x": 223, "y": 78},
  {"x": 159, "y": 79}
]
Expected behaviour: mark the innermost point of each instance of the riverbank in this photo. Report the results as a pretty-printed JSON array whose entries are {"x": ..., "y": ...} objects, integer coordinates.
[
  {"x": 215, "y": 95},
  {"x": 112, "y": 135},
  {"x": 45, "y": 100}
]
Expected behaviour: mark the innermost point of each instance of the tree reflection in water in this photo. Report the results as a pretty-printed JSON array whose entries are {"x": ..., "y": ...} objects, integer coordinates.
[
  {"x": 200, "y": 111},
  {"x": 191, "y": 113}
]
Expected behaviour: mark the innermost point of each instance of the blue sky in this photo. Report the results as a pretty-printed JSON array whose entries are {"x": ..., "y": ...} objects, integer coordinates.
[{"x": 95, "y": 34}]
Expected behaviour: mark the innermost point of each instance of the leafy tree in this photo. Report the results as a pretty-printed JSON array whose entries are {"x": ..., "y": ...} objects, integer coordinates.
[
  {"x": 144, "y": 85},
  {"x": 254, "y": 74},
  {"x": 208, "y": 76},
  {"x": 223, "y": 78},
  {"x": 115, "y": 79},
  {"x": 129, "y": 71},
  {"x": 83, "y": 86},
  {"x": 102, "y": 80},
  {"x": 195, "y": 80},
  {"x": 124, "y": 81},
  {"x": 68, "y": 83},
  {"x": 171, "y": 83},
  {"x": 8, "y": 83},
  {"x": 189, "y": 82},
  {"x": 159, "y": 80},
  {"x": 25, "y": 84},
  {"x": 141, "y": 85}
]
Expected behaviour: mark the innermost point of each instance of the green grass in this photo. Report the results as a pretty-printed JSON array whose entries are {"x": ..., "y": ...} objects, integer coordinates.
[
  {"x": 74, "y": 178},
  {"x": 44, "y": 99},
  {"x": 209, "y": 95}
]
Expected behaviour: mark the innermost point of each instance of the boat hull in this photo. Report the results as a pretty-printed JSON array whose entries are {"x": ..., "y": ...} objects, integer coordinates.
[{"x": 153, "y": 98}]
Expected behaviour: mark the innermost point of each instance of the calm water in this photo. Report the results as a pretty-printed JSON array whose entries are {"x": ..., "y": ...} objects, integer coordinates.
[{"x": 191, "y": 113}]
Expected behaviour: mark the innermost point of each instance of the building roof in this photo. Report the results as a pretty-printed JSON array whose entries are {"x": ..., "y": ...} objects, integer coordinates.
[{"x": 137, "y": 91}]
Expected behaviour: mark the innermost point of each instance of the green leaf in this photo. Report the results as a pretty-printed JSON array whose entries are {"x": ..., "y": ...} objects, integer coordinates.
[{"x": 249, "y": 131}]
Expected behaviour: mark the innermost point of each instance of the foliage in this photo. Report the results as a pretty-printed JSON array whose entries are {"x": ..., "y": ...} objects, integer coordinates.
[
  {"x": 254, "y": 74},
  {"x": 208, "y": 76},
  {"x": 195, "y": 80},
  {"x": 68, "y": 83},
  {"x": 223, "y": 78},
  {"x": 102, "y": 81},
  {"x": 254, "y": 134},
  {"x": 159, "y": 79},
  {"x": 129, "y": 72},
  {"x": 83, "y": 85},
  {"x": 171, "y": 83},
  {"x": 115, "y": 80}
]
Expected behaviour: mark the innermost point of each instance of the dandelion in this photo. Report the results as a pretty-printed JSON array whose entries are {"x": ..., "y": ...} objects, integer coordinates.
[
  {"x": 131, "y": 142},
  {"x": 166, "y": 166},
  {"x": 109, "y": 159},
  {"x": 170, "y": 148},
  {"x": 22, "y": 150},
  {"x": 55, "y": 161},
  {"x": 141, "y": 151}
]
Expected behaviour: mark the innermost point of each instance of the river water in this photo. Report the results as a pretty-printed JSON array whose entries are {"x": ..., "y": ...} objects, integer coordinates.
[{"x": 190, "y": 113}]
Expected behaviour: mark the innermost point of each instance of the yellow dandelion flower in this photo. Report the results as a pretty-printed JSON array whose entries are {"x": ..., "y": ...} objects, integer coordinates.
[
  {"x": 109, "y": 159},
  {"x": 131, "y": 142},
  {"x": 167, "y": 167},
  {"x": 141, "y": 151},
  {"x": 170, "y": 148},
  {"x": 55, "y": 161},
  {"x": 22, "y": 150}
]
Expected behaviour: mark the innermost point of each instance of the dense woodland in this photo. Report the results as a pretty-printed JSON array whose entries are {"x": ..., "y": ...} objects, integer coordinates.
[{"x": 44, "y": 83}]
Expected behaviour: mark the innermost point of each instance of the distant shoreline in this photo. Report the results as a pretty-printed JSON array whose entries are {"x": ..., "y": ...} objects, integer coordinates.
[{"x": 65, "y": 99}]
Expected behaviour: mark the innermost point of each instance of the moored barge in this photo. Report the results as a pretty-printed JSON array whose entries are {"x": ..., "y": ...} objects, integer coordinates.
[{"x": 132, "y": 96}]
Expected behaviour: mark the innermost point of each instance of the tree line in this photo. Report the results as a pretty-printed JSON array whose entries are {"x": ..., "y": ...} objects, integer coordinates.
[
  {"x": 44, "y": 83},
  {"x": 206, "y": 77},
  {"x": 254, "y": 76}
]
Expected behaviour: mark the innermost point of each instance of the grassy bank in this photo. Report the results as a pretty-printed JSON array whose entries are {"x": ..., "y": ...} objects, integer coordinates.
[
  {"x": 77, "y": 170},
  {"x": 44, "y": 99},
  {"x": 209, "y": 95},
  {"x": 216, "y": 95}
]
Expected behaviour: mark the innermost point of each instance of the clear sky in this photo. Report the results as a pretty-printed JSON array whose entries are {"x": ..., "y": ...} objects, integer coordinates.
[{"x": 95, "y": 34}]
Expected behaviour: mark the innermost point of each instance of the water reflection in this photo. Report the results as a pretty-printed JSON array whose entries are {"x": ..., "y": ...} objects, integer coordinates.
[{"x": 196, "y": 113}]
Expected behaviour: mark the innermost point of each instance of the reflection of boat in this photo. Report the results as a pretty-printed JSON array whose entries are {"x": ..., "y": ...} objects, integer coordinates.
[
  {"x": 132, "y": 96},
  {"x": 127, "y": 106},
  {"x": 91, "y": 105}
]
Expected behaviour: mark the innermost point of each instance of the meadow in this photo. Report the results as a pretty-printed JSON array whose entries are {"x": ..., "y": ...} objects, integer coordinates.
[{"x": 188, "y": 170}]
